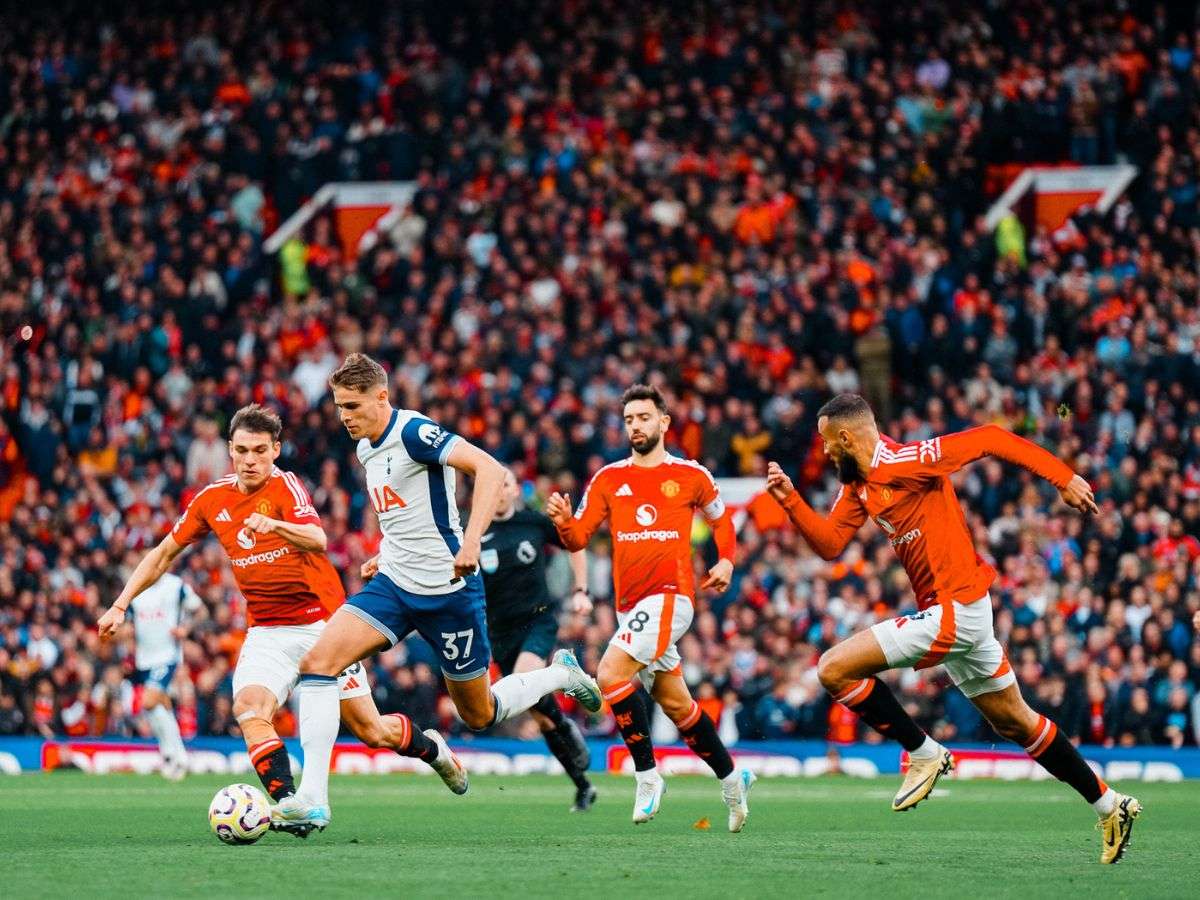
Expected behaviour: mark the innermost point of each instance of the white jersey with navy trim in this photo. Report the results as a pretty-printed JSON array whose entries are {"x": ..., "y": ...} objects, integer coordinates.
[
  {"x": 157, "y": 612},
  {"x": 411, "y": 489}
]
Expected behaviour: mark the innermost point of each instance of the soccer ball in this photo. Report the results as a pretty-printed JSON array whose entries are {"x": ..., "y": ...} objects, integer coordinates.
[{"x": 239, "y": 814}]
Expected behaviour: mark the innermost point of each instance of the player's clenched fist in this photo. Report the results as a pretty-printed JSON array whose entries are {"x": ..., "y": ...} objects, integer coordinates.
[
  {"x": 719, "y": 576},
  {"x": 259, "y": 523},
  {"x": 558, "y": 508},
  {"x": 370, "y": 567},
  {"x": 466, "y": 561},
  {"x": 778, "y": 483},
  {"x": 110, "y": 621},
  {"x": 1078, "y": 495}
]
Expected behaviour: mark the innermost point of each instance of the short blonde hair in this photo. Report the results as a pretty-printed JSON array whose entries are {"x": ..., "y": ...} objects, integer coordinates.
[{"x": 359, "y": 373}]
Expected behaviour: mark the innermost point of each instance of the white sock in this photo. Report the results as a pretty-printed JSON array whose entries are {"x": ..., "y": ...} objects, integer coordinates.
[
  {"x": 732, "y": 777},
  {"x": 1106, "y": 804},
  {"x": 319, "y": 722},
  {"x": 649, "y": 775},
  {"x": 166, "y": 729},
  {"x": 516, "y": 693},
  {"x": 155, "y": 723},
  {"x": 928, "y": 749}
]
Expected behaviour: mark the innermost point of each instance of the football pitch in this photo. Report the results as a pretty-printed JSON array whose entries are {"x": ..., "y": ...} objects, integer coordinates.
[{"x": 74, "y": 835}]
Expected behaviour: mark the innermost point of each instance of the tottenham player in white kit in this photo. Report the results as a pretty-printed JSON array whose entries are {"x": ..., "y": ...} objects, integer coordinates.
[
  {"x": 161, "y": 615},
  {"x": 425, "y": 578}
]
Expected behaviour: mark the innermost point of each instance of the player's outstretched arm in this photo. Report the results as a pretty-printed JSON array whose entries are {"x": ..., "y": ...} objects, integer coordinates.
[
  {"x": 827, "y": 536},
  {"x": 307, "y": 536},
  {"x": 485, "y": 497},
  {"x": 152, "y": 567},
  {"x": 949, "y": 453},
  {"x": 577, "y": 529}
]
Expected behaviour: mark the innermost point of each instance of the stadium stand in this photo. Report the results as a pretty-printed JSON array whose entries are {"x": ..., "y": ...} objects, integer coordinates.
[{"x": 754, "y": 206}]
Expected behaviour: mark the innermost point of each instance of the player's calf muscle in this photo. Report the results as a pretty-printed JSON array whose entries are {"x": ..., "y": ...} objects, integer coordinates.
[
  {"x": 1008, "y": 713},
  {"x": 473, "y": 700}
]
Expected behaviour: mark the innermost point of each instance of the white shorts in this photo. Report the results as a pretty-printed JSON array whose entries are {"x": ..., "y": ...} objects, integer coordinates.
[
  {"x": 956, "y": 635},
  {"x": 271, "y": 657},
  {"x": 649, "y": 630}
]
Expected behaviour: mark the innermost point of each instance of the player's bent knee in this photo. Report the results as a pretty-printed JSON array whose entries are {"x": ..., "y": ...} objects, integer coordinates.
[
  {"x": 830, "y": 671},
  {"x": 317, "y": 662},
  {"x": 476, "y": 721},
  {"x": 608, "y": 676}
]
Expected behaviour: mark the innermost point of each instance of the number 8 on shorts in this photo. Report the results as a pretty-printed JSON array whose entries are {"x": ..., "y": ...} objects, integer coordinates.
[{"x": 649, "y": 629}]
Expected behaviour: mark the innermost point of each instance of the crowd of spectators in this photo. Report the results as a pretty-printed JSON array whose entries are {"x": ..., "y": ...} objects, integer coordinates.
[{"x": 753, "y": 205}]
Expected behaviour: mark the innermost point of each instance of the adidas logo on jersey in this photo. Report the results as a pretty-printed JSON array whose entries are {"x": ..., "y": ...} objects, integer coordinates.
[
  {"x": 624, "y": 491},
  {"x": 223, "y": 516}
]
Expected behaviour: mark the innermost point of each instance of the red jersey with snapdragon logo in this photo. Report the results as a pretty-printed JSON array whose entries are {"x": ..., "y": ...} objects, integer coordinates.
[
  {"x": 282, "y": 584},
  {"x": 907, "y": 492},
  {"x": 650, "y": 511}
]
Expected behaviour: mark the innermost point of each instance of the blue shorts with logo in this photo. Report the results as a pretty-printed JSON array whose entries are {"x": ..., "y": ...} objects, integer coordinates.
[
  {"x": 454, "y": 624},
  {"x": 159, "y": 677}
]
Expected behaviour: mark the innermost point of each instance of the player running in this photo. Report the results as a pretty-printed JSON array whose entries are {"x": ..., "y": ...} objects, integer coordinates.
[
  {"x": 265, "y": 520},
  {"x": 650, "y": 500},
  {"x": 424, "y": 578},
  {"x": 906, "y": 489},
  {"x": 523, "y": 618},
  {"x": 162, "y": 614}
]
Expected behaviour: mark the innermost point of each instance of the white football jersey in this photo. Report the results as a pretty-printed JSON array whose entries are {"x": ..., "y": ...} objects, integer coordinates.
[
  {"x": 411, "y": 489},
  {"x": 156, "y": 613}
]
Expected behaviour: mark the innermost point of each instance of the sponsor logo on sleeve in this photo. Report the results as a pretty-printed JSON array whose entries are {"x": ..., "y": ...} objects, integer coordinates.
[{"x": 432, "y": 435}]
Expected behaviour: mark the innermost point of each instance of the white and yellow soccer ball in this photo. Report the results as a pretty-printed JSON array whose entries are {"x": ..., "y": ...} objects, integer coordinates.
[{"x": 239, "y": 814}]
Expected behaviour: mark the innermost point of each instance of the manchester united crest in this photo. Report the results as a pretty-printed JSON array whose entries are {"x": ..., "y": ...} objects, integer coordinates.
[
  {"x": 670, "y": 489},
  {"x": 886, "y": 493},
  {"x": 264, "y": 507}
]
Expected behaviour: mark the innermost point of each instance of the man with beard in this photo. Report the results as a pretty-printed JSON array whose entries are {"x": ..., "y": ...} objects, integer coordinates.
[
  {"x": 906, "y": 489},
  {"x": 649, "y": 500}
]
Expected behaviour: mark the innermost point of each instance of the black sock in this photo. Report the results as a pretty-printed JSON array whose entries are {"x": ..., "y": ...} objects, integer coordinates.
[
  {"x": 701, "y": 736},
  {"x": 879, "y": 708},
  {"x": 418, "y": 746},
  {"x": 561, "y": 741},
  {"x": 1051, "y": 749},
  {"x": 549, "y": 708},
  {"x": 632, "y": 719},
  {"x": 274, "y": 769},
  {"x": 421, "y": 747}
]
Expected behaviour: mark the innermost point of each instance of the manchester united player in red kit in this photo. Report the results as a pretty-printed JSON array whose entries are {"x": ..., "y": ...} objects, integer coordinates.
[
  {"x": 906, "y": 489},
  {"x": 266, "y": 522},
  {"x": 649, "y": 501}
]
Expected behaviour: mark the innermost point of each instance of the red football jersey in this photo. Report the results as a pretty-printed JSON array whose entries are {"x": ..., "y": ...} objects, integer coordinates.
[
  {"x": 650, "y": 511},
  {"x": 909, "y": 495},
  {"x": 282, "y": 585}
]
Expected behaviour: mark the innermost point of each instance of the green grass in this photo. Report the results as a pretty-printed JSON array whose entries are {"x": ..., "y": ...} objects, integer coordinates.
[{"x": 73, "y": 835}]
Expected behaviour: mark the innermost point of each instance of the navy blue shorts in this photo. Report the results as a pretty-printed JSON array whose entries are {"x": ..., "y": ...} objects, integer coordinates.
[
  {"x": 538, "y": 636},
  {"x": 159, "y": 677},
  {"x": 454, "y": 624}
]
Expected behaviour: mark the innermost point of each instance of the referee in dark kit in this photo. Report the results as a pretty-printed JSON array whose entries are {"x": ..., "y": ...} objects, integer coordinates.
[{"x": 523, "y": 618}]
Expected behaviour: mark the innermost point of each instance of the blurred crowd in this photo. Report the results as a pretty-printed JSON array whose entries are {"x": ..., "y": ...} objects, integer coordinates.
[{"x": 753, "y": 205}]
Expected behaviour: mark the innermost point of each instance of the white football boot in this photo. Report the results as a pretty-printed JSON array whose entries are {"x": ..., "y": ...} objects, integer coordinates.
[
  {"x": 736, "y": 792},
  {"x": 447, "y": 765},
  {"x": 647, "y": 799},
  {"x": 581, "y": 685}
]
